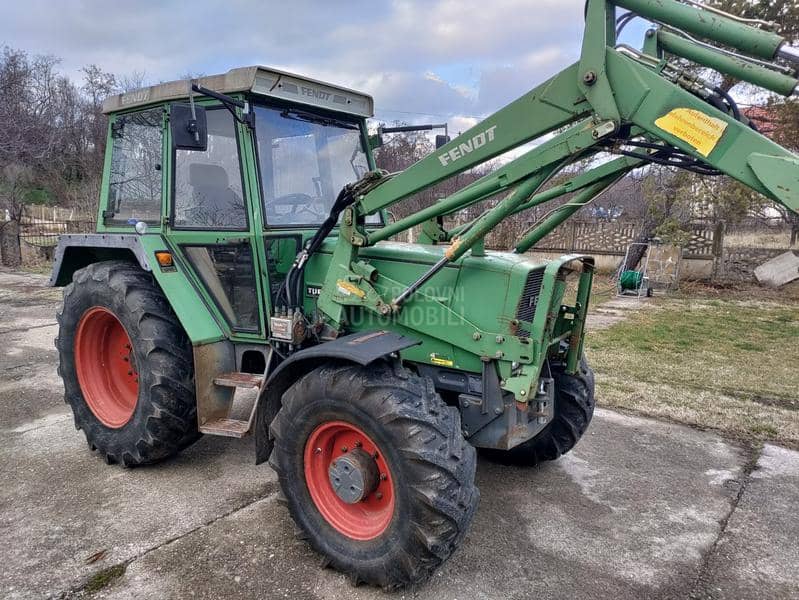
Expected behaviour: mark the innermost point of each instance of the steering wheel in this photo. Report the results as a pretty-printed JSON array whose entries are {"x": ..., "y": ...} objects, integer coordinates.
[{"x": 300, "y": 203}]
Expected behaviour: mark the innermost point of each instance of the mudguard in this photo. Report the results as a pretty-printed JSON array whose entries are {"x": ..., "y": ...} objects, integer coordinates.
[
  {"x": 76, "y": 251},
  {"x": 360, "y": 348}
]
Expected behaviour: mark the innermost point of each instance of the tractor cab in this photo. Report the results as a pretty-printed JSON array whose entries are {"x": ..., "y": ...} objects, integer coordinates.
[{"x": 235, "y": 171}]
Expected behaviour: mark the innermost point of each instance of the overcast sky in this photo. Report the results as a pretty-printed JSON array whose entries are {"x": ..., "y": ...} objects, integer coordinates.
[{"x": 422, "y": 60}]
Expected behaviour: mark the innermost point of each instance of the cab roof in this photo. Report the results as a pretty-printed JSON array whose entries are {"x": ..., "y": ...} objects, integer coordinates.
[{"x": 258, "y": 80}]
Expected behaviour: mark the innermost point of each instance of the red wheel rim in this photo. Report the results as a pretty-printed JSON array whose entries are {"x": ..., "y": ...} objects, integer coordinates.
[
  {"x": 106, "y": 368},
  {"x": 364, "y": 520}
]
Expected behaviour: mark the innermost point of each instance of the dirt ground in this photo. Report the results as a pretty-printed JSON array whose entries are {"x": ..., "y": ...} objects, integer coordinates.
[{"x": 641, "y": 509}]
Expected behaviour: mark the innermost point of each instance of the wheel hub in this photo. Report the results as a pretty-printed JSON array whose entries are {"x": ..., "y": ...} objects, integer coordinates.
[
  {"x": 354, "y": 476},
  {"x": 106, "y": 367},
  {"x": 349, "y": 480}
]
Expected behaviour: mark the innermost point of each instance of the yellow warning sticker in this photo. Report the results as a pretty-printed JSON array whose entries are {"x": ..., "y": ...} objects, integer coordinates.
[
  {"x": 702, "y": 131},
  {"x": 441, "y": 361},
  {"x": 345, "y": 288}
]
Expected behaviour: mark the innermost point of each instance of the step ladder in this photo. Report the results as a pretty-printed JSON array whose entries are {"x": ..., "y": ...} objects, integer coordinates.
[{"x": 214, "y": 415}]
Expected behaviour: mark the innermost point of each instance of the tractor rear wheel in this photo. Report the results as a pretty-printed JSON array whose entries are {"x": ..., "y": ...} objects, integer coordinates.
[
  {"x": 375, "y": 471},
  {"x": 574, "y": 408},
  {"x": 126, "y": 364}
]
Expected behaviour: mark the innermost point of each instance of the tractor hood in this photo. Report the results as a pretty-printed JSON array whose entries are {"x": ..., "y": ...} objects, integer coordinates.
[{"x": 496, "y": 293}]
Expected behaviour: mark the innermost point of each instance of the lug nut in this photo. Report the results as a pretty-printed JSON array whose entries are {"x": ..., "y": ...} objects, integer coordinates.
[
  {"x": 383, "y": 477},
  {"x": 379, "y": 495},
  {"x": 344, "y": 449}
]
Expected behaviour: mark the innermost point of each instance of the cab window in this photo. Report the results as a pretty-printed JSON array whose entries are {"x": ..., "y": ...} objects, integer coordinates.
[
  {"x": 305, "y": 159},
  {"x": 228, "y": 274},
  {"x": 208, "y": 185},
  {"x": 134, "y": 183}
]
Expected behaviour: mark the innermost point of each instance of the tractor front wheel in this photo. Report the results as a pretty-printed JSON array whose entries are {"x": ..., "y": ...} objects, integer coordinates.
[
  {"x": 375, "y": 471},
  {"x": 126, "y": 364}
]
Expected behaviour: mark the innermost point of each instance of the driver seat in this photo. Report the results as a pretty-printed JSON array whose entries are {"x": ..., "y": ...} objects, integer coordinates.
[{"x": 213, "y": 197}]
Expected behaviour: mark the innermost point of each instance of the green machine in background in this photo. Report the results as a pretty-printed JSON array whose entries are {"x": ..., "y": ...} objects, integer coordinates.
[
  {"x": 243, "y": 242},
  {"x": 632, "y": 281},
  {"x": 637, "y": 281}
]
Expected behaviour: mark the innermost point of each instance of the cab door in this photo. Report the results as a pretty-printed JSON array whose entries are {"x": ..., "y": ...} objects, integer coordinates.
[{"x": 212, "y": 225}]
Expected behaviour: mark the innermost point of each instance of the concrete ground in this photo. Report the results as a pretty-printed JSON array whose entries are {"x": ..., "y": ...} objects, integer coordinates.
[{"x": 640, "y": 509}]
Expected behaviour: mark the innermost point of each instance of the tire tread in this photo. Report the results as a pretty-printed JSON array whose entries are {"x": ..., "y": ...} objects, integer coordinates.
[
  {"x": 438, "y": 461},
  {"x": 169, "y": 423}
]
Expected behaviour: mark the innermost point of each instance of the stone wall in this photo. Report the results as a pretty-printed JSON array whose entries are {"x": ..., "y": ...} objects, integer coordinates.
[
  {"x": 739, "y": 264},
  {"x": 697, "y": 269},
  {"x": 597, "y": 238}
]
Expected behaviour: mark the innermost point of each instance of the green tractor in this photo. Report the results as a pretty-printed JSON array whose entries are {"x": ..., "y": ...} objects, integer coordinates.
[{"x": 243, "y": 242}]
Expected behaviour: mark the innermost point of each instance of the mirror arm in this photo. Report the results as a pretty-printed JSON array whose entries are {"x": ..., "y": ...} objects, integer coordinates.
[
  {"x": 229, "y": 103},
  {"x": 440, "y": 140},
  {"x": 192, "y": 125}
]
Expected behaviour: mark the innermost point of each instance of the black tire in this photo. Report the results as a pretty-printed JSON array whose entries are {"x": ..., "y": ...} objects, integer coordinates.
[
  {"x": 432, "y": 467},
  {"x": 164, "y": 420},
  {"x": 574, "y": 409}
]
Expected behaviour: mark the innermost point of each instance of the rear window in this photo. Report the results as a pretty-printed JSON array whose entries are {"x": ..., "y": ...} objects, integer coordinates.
[{"x": 134, "y": 185}]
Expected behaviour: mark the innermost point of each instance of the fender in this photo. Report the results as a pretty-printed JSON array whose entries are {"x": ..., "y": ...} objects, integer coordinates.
[
  {"x": 75, "y": 251},
  {"x": 359, "y": 348},
  {"x": 80, "y": 250}
]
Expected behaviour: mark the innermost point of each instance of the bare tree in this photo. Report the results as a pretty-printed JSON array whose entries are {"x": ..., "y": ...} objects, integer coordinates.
[{"x": 16, "y": 180}]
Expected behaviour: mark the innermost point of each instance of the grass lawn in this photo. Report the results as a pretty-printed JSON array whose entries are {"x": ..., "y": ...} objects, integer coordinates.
[{"x": 721, "y": 363}]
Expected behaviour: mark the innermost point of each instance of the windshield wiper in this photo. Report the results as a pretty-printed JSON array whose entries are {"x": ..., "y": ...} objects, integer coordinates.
[{"x": 299, "y": 115}]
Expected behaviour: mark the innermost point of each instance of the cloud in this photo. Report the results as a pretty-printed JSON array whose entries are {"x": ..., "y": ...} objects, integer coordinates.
[
  {"x": 419, "y": 58},
  {"x": 503, "y": 84}
]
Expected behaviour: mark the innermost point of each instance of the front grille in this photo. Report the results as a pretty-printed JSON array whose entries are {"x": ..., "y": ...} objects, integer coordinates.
[{"x": 529, "y": 299}]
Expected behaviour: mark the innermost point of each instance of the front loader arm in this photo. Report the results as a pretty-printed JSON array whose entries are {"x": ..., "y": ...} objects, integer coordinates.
[
  {"x": 551, "y": 105},
  {"x": 613, "y": 98},
  {"x": 614, "y": 91},
  {"x": 673, "y": 114}
]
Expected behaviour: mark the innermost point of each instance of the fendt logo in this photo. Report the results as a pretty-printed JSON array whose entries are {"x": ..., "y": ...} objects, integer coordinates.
[
  {"x": 315, "y": 93},
  {"x": 478, "y": 141}
]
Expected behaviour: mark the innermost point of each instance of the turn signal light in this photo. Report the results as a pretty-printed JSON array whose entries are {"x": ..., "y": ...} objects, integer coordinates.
[{"x": 164, "y": 259}]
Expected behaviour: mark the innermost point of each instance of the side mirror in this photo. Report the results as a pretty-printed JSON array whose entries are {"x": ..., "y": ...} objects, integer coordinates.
[
  {"x": 442, "y": 140},
  {"x": 188, "y": 132}
]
